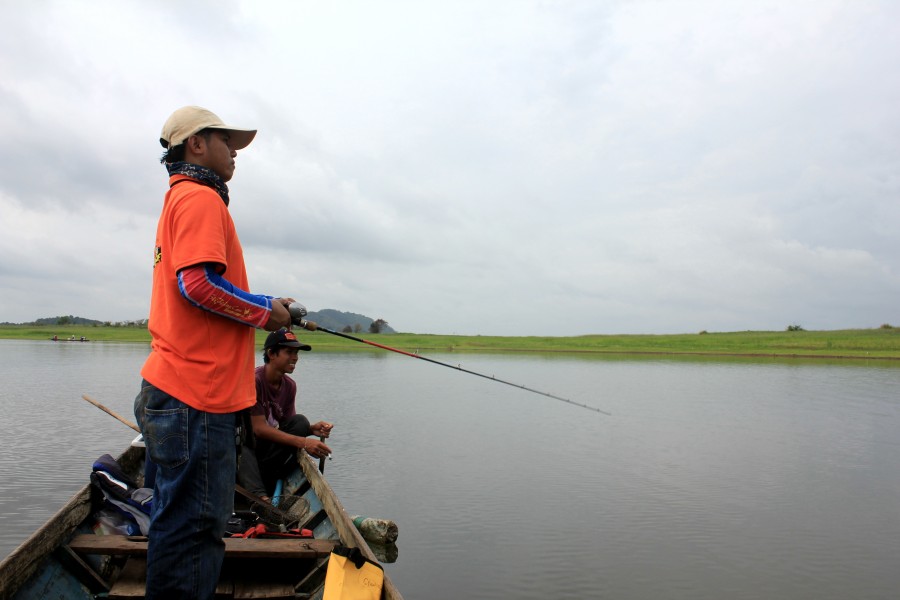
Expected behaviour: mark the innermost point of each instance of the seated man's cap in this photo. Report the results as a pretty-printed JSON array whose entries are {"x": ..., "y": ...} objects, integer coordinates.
[
  {"x": 283, "y": 337},
  {"x": 188, "y": 120}
]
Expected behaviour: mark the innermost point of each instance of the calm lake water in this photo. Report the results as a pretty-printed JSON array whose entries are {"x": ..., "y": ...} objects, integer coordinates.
[{"x": 712, "y": 479}]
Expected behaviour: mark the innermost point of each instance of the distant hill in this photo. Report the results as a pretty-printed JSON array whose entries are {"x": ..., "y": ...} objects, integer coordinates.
[
  {"x": 328, "y": 318},
  {"x": 337, "y": 320}
]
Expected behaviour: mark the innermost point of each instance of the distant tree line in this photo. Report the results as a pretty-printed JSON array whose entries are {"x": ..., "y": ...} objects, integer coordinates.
[
  {"x": 65, "y": 320},
  {"x": 328, "y": 318},
  {"x": 376, "y": 326}
]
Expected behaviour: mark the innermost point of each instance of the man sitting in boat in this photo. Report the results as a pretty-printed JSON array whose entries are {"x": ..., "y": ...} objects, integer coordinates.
[{"x": 277, "y": 428}]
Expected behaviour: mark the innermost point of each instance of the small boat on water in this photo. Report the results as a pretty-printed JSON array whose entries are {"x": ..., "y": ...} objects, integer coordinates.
[{"x": 66, "y": 560}]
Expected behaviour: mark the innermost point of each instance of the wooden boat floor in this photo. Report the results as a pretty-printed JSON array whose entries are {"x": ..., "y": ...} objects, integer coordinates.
[
  {"x": 237, "y": 585},
  {"x": 243, "y": 575},
  {"x": 272, "y": 583}
]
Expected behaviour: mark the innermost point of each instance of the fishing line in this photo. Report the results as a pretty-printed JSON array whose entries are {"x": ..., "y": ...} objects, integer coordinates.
[{"x": 298, "y": 311}]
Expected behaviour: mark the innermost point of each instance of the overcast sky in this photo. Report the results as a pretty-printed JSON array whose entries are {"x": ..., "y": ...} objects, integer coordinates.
[{"x": 505, "y": 167}]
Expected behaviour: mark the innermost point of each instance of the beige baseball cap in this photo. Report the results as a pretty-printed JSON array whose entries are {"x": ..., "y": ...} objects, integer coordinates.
[{"x": 188, "y": 120}]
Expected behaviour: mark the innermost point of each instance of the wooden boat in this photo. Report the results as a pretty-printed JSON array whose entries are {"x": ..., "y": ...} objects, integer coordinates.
[{"x": 65, "y": 560}]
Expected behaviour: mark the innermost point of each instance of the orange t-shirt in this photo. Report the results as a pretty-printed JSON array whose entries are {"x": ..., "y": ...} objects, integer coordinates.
[{"x": 201, "y": 358}]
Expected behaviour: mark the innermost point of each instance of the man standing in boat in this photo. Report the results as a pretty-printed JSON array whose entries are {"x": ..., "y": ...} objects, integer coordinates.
[
  {"x": 199, "y": 374},
  {"x": 277, "y": 428}
]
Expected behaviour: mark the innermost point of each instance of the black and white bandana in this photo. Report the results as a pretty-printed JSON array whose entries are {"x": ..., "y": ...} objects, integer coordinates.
[{"x": 204, "y": 175}]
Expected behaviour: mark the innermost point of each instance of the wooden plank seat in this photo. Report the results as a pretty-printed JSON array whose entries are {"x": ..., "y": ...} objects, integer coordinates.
[{"x": 123, "y": 545}]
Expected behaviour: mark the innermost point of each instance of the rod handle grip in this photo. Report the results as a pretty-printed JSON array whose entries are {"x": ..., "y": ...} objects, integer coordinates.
[{"x": 308, "y": 325}]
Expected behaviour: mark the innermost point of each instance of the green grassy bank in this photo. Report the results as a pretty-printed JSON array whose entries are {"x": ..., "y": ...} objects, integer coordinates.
[{"x": 881, "y": 343}]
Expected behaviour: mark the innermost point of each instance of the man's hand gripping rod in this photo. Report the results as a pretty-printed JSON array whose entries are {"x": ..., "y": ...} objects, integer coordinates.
[{"x": 298, "y": 314}]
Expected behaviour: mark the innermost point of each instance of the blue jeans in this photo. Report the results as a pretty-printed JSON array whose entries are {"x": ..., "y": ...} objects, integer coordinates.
[{"x": 193, "y": 497}]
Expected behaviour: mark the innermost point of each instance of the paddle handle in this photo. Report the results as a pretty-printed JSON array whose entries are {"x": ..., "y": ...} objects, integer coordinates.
[{"x": 111, "y": 412}]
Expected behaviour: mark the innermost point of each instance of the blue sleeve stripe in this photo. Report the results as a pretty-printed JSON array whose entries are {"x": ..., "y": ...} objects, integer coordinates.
[{"x": 253, "y": 304}]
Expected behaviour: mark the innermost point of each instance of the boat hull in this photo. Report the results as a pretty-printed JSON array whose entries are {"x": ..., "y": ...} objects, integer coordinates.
[{"x": 44, "y": 566}]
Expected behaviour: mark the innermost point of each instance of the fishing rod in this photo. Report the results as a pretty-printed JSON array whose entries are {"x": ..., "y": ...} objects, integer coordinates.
[{"x": 298, "y": 312}]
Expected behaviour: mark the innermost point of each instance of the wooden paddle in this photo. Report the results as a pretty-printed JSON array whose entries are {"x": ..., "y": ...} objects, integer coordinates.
[{"x": 111, "y": 412}]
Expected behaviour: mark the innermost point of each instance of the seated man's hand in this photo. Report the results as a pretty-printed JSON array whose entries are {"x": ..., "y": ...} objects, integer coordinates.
[
  {"x": 321, "y": 429},
  {"x": 315, "y": 448}
]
